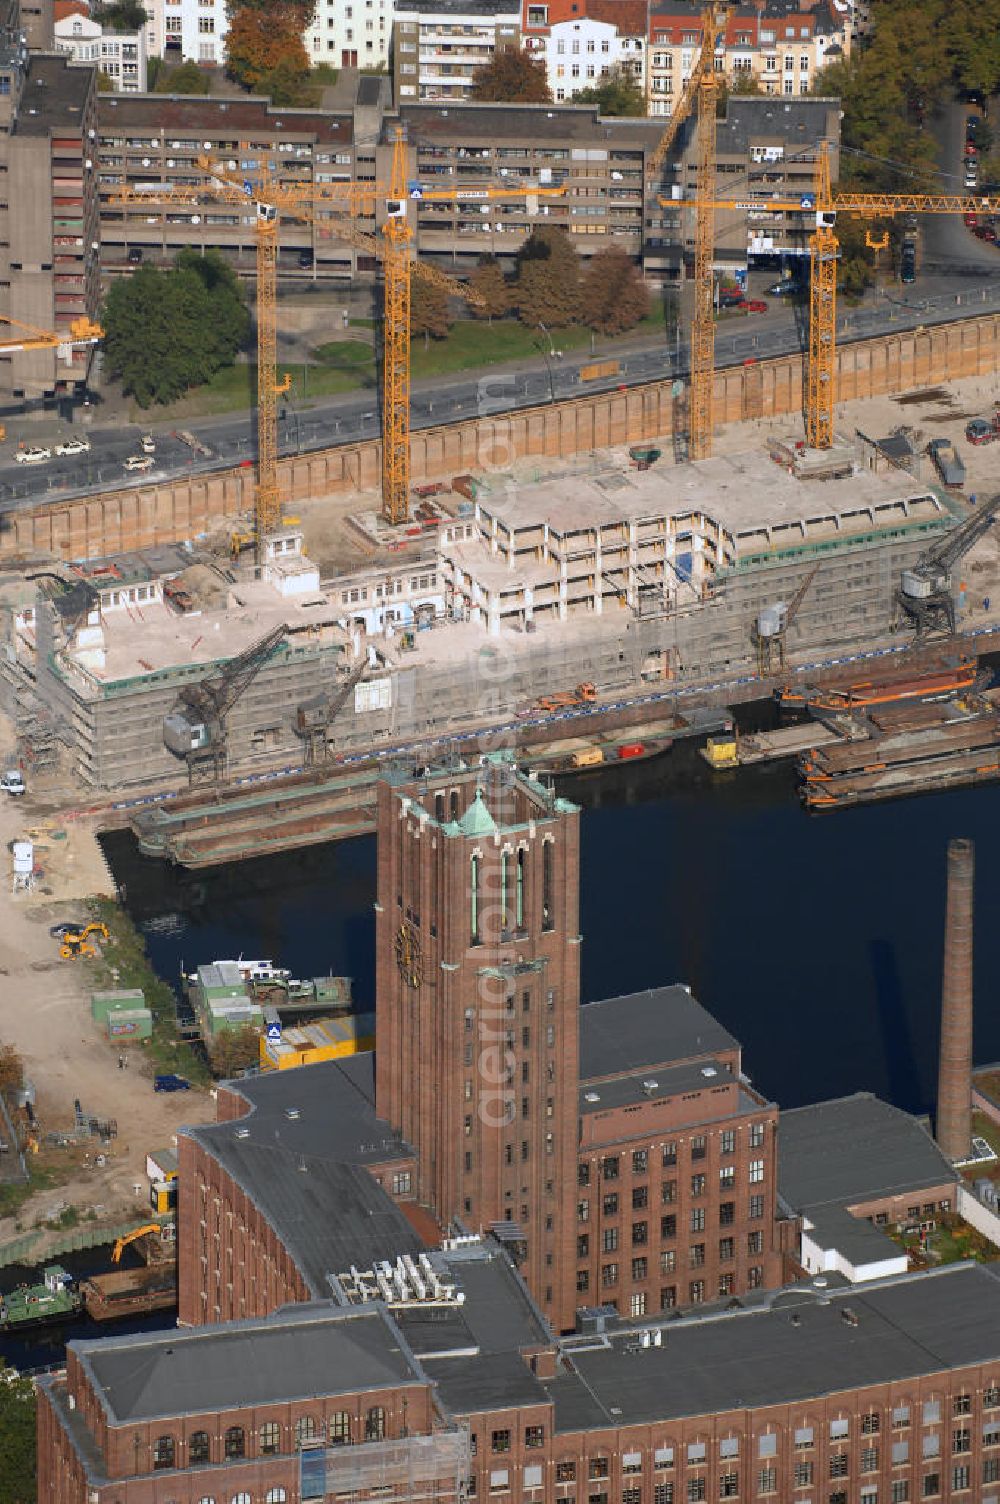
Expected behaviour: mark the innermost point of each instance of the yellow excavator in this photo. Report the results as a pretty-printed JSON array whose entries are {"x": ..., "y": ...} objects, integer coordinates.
[
  {"x": 78, "y": 942},
  {"x": 132, "y": 1237}
]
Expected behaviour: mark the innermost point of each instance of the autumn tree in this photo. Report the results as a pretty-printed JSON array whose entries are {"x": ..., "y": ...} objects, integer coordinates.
[
  {"x": 11, "y": 1070},
  {"x": 547, "y": 290},
  {"x": 234, "y": 1050},
  {"x": 122, "y": 16},
  {"x": 264, "y": 44},
  {"x": 615, "y": 297},
  {"x": 489, "y": 282},
  {"x": 512, "y": 77},
  {"x": 430, "y": 314},
  {"x": 618, "y": 94}
]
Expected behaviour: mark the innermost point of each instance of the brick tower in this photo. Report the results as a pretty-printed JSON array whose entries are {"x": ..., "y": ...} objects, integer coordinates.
[
  {"x": 954, "y": 1114},
  {"x": 477, "y": 1001}
]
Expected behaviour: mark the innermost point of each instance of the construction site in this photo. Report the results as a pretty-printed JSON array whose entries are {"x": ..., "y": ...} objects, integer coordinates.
[{"x": 646, "y": 557}]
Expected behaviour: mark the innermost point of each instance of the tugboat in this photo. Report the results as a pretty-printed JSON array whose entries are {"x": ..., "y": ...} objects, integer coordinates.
[{"x": 55, "y": 1299}]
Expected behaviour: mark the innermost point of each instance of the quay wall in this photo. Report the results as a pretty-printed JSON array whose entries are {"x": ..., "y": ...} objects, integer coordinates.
[{"x": 183, "y": 508}]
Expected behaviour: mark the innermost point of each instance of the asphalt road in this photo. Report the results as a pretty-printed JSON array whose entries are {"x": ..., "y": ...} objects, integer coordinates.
[{"x": 959, "y": 277}]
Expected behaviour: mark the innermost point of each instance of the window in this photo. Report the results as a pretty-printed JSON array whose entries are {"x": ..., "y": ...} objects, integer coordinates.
[
  {"x": 609, "y": 1167},
  {"x": 699, "y": 1146},
  {"x": 609, "y": 1275},
  {"x": 565, "y": 1472},
  {"x": 838, "y": 1465},
  {"x": 243, "y": 1497},
  {"x": 930, "y": 1446},
  {"x": 582, "y": 1281},
  {"x": 767, "y": 1444},
  {"x": 609, "y": 1204},
  {"x": 401, "y": 1181},
  {"x": 962, "y": 1404},
  {"x": 375, "y": 1424},
  {"x": 869, "y": 1459},
  {"x": 499, "y": 1480},
  {"x": 663, "y": 1457},
  {"x": 900, "y": 1491},
  {"x": 640, "y": 1269},
  {"x": 236, "y": 1442},
  {"x": 932, "y": 1485},
  {"x": 534, "y": 1436},
  {"x": 163, "y": 1452},
  {"x": 755, "y": 1242},
  {"x": 668, "y": 1297},
  {"x": 959, "y": 1478},
  {"x": 932, "y": 1412},
  {"x": 870, "y": 1424},
  {"x": 767, "y": 1480},
  {"x": 961, "y": 1440},
  {"x": 755, "y": 1277},
  {"x": 727, "y": 1177},
  {"x": 269, "y": 1438},
  {"x": 696, "y": 1255},
  {"x": 803, "y": 1474},
  {"x": 803, "y": 1437},
  {"x": 756, "y": 1207},
  {"x": 305, "y": 1430},
  {"x": 991, "y": 1396},
  {"x": 640, "y": 1161},
  {"x": 698, "y": 1183},
  {"x": 548, "y": 886},
  {"x": 756, "y": 1135},
  {"x": 727, "y": 1141},
  {"x": 727, "y": 1249},
  {"x": 583, "y": 1174},
  {"x": 640, "y": 1234},
  {"x": 900, "y": 1452},
  {"x": 756, "y": 1171},
  {"x": 339, "y": 1429},
  {"x": 583, "y": 1246},
  {"x": 729, "y": 1485},
  {"x": 991, "y": 1470},
  {"x": 501, "y": 1441},
  {"x": 637, "y": 1304},
  {"x": 727, "y": 1213},
  {"x": 668, "y": 1226},
  {"x": 668, "y": 1192},
  {"x": 598, "y": 1468},
  {"x": 640, "y": 1197},
  {"x": 669, "y": 1155},
  {"x": 198, "y": 1447},
  {"x": 698, "y": 1219},
  {"x": 696, "y": 1490},
  {"x": 609, "y": 1239},
  {"x": 533, "y": 1476},
  {"x": 696, "y": 1292},
  {"x": 900, "y": 1417}
]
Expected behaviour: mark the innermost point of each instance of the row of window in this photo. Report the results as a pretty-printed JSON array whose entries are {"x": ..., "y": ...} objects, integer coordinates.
[
  {"x": 668, "y": 1257},
  {"x": 339, "y": 1431},
  {"x": 638, "y": 1301},
  {"x": 610, "y": 1165}
]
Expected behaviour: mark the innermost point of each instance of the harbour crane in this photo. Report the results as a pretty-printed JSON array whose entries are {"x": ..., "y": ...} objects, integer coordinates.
[
  {"x": 314, "y": 716},
  {"x": 278, "y": 199},
  {"x": 196, "y": 729},
  {"x": 701, "y": 92},
  {"x": 823, "y": 205},
  {"x": 770, "y": 630},
  {"x": 925, "y": 589}
]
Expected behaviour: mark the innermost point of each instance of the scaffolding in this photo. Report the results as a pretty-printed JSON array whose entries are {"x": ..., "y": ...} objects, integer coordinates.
[{"x": 408, "y": 1471}]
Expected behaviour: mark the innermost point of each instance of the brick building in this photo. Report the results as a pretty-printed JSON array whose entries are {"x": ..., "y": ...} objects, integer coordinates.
[{"x": 889, "y": 1393}]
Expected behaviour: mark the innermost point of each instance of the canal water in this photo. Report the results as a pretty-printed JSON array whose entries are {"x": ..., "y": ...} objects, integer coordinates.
[{"x": 816, "y": 940}]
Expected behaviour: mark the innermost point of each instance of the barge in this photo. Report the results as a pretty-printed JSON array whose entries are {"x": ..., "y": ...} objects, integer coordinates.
[
  {"x": 938, "y": 684},
  {"x": 130, "y": 1292}
]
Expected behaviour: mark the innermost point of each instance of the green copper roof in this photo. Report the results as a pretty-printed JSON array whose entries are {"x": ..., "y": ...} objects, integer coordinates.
[{"x": 477, "y": 820}]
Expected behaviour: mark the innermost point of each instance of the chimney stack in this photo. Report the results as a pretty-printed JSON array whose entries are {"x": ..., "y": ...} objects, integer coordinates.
[{"x": 954, "y": 1108}]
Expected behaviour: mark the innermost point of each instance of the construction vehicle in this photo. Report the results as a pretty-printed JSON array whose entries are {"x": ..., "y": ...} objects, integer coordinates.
[
  {"x": 983, "y": 430},
  {"x": 315, "y": 715},
  {"x": 132, "y": 1237},
  {"x": 78, "y": 942},
  {"x": 583, "y": 694},
  {"x": 925, "y": 589},
  {"x": 771, "y": 628},
  {"x": 823, "y": 206},
  {"x": 196, "y": 728},
  {"x": 947, "y": 462}
]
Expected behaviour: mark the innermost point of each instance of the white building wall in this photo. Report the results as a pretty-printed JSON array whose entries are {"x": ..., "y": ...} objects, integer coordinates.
[
  {"x": 121, "y": 55},
  {"x": 187, "y": 30},
  {"x": 350, "y": 33},
  {"x": 817, "y": 1260},
  {"x": 578, "y": 54}
]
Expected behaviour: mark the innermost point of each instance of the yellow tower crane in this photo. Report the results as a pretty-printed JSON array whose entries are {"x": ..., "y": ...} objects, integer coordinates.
[
  {"x": 701, "y": 89},
  {"x": 278, "y": 200},
  {"x": 824, "y": 205},
  {"x": 82, "y": 331}
]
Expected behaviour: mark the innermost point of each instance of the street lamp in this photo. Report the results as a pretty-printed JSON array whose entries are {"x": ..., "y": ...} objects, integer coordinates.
[{"x": 546, "y": 354}]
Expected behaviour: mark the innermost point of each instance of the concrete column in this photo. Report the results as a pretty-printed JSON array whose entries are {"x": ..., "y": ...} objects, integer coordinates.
[{"x": 954, "y": 1110}]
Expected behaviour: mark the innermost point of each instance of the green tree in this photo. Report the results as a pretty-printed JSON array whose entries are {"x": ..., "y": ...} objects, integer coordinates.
[
  {"x": 186, "y": 78},
  {"x": 512, "y": 76},
  {"x": 17, "y": 1438},
  {"x": 121, "y": 15},
  {"x": 615, "y": 298},
  {"x": 105, "y": 83},
  {"x": 429, "y": 310},
  {"x": 166, "y": 332},
  {"x": 618, "y": 94},
  {"x": 547, "y": 290},
  {"x": 11, "y": 1070},
  {"x": 491, "y": 285}
]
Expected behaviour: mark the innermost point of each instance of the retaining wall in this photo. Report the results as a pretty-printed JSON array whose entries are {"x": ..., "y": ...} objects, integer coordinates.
[{"x": 115, "y": 521}]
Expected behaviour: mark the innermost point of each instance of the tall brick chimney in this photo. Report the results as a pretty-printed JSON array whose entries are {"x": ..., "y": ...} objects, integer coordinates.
[{"x": 954, "y": 1109}]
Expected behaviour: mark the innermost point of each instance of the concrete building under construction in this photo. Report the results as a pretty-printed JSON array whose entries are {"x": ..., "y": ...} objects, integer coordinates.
[{"x": 604, "y": 573}]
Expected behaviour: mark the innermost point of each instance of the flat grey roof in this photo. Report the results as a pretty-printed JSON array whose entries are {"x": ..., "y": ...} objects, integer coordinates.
[
  {"x": 856, "y": 1238},
  {"x": 306, "y": 1173},
  {"x": 662, "y": 1026},
  {"x": 54, "y": 96},
  {"x": 795, "y": 1351},
  {"x": 855, "y": 1149},
  {"x": 499, "y": 1382},
  {"x": 297, "y": 1353},
  {"x": 672, "y": 1082},
  {"x": 498, "y": 1314},
  {"x": 469, "y": 122}
]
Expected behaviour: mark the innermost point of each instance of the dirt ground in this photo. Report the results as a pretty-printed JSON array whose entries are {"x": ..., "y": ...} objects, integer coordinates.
[{"x": 46, "y": 1016}]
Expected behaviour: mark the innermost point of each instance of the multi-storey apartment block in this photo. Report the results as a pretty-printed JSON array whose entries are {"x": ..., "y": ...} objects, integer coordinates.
[
  {"x": 583, "y": 41},
  {"x": 439, "y": 44},
  {"x": 119, "y": 55}
]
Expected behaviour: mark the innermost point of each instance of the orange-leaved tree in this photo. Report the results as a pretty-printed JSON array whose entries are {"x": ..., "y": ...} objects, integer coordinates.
[{"x": 264, "y": 38}]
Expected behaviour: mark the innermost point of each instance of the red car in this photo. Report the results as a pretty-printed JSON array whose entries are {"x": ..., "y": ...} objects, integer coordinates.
[
  {"x": 971, "y": 220},
  {"x": 756, "y": 305}
]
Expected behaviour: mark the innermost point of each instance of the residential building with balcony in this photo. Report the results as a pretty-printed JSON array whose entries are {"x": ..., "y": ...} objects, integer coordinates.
[
  {"x": 357, "y": 34},
  {"x": 439, "y": 44},
  {"x": 119, "y": 55},
  {"x": 187, "y": 30},
  {"x": 583, "y": 41}
]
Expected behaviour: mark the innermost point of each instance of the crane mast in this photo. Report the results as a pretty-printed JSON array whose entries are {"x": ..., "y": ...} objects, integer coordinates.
[{"x": 924, "y": 593}]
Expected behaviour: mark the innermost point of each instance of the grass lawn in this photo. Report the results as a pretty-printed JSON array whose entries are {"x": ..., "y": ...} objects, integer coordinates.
[{"x": 236, "y": 386}]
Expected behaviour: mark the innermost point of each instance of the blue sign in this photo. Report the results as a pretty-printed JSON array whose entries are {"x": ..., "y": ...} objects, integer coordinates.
[
  {"x": 248, "y": 187},
  {"x": 274, "y": 1032},
  {"x": 808, "y": 201},
  {"x": 415, "y": 190}
]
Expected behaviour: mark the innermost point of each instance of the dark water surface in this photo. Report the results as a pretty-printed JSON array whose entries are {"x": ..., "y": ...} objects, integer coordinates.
[{"x": 816, "y": 940}]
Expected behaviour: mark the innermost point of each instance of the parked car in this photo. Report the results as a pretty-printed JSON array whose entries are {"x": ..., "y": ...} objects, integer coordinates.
[
  {"x": 139, "y": 462},
  {"x": 171, "y": 1083},
  {"x": 971, "y": 174},
  {"x": 74, "y": 446},
  {"x": 305, "y": 260},
  {"x": 985, "y": 232},
  {"x": 971, "y": 127},
  {"x": 135, "y": 255},
  {"x": 971, "y": 220},
  {"x": 729, "y": 299},
  {"x": 908, "y": 262},
  {"x": 11, "y": 782},
  {"x": 32, "y": 455},
  {"x": 756, "y": 305},
  {"x": 147, "y": 444},
  {"x": 788, "y": 288}
]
